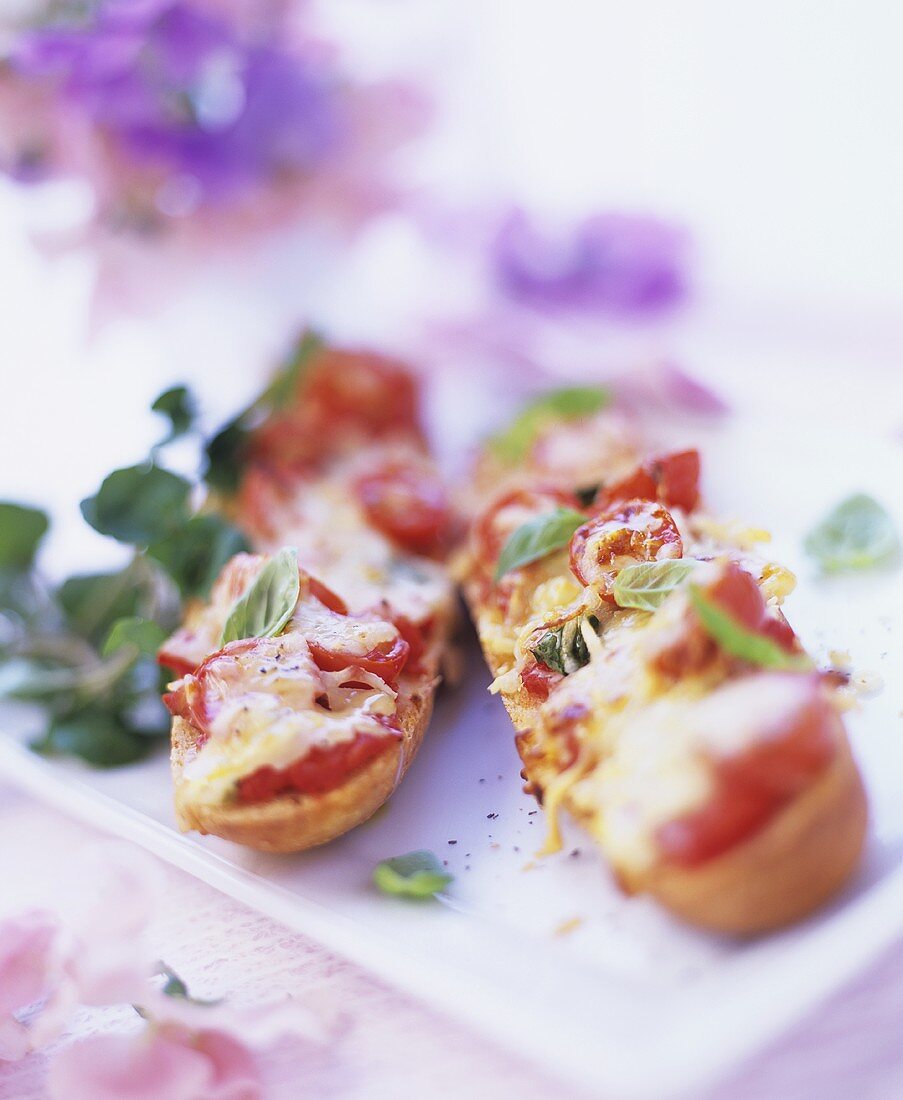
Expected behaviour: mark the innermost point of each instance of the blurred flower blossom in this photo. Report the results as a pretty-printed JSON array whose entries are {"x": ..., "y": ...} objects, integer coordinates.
[
  {"x": 196, "y": 121},
  {"x": 28, "y": 974},
  {"x": 167, "y": 1061},
  {"x": 184, "y": 1048},
  {"x": 611, "y": 263}
]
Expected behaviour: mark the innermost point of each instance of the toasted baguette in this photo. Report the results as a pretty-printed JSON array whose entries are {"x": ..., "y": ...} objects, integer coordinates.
[
  {"x": 293, "y": 823},
  {"x": 781, "y": 874}
]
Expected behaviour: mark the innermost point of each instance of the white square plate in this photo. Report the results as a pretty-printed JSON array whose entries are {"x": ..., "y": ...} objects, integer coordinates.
[{"x": 546, "y": 955}]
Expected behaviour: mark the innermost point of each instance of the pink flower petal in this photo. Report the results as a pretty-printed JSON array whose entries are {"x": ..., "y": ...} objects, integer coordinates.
[
  {"x": 26, "y": 958},
  {"x": 159, "y": 1062}
]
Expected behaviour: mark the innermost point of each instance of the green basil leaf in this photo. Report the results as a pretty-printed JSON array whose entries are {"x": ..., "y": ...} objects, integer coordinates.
[
  {"x": 225, "y": 454},
  {"x": 97, "y": 737},
  {"x": 180, "y": 409},
  {"x": 21, "y": 531},
  {"x": 194, "y": 553},
  {"x": 92, "y": 602},
  {"x": 414, "y": 875},
  {"x": 138, "y": 504},
  {"x": 38, "y": 681},
  {"x": 564, "y": 649},
  {"x": 538, "y": 537},
  {"x": 858, "y": 534},
  {"x": 740, "y": 642},
  {"x": 143, "y": 635},
  {"x": 267, "y": 606},
  {"x": 648, "y": 584},
  {"x": 571, "y": 403}
]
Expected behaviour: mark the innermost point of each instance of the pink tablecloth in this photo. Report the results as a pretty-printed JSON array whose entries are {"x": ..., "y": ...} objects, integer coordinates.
[{"x": 393, "y": 1046}]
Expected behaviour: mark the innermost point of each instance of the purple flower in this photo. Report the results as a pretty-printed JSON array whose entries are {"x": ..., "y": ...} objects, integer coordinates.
[
  {"x": 175, "y": 89},
  {"x": 610, "y": 263}
]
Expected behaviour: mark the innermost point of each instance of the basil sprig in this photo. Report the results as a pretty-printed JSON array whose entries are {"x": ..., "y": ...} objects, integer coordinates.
[
  {"x": 21, "y": 530},
  {"x": 538, "y": 537},
  {"x": 858, "y": 534},
  {"x": 226, "y": 451},
  {"x": 266, "y": 607},
  {"x": 564, "y": 649},
  {"x": 740, "y": 642},
  {"x": 179, "y": 407},
  {"x": 648, "y": 584},
  {"x": 414, "y": 875},
  {"x": 570, "y": 403}
]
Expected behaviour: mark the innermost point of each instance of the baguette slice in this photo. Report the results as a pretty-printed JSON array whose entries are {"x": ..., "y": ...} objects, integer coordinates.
[
  {"x": 636, "y": 733},
  {"x": 338, "y": 470},
  {"x": 295, "y": 822}
]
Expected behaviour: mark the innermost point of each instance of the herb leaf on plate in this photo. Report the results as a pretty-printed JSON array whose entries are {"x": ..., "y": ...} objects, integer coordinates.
[
  {"x": 648, "y": 584},
  {"x": 538, "y": 537},
  {"x": 143, "y": 636},
  {"x": 858, "y": 534},
  {"x": 740, "y": 642},
  {"x": 266, "y": 607},
  {"x": 95, "y": 736},
  {"x": 414, "y": 875}
]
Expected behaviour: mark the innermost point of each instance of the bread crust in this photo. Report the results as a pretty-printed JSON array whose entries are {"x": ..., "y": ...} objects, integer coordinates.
[
  {"x": 803, "y": 857},
  {"x": 295, "y": 822}
]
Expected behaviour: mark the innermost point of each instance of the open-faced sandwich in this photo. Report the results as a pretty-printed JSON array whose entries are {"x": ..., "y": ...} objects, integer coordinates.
[
  {"x": 307, "y": 680},
  {"x": 659, "y": 693}
]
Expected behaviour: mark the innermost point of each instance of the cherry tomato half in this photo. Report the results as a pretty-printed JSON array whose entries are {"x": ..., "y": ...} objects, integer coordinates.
[
  {"x": 409, "y": 505},
  {"x": 633, "y": 531},
  {"x": 672, "y": 479},
  {"x": 751, "y": 787}
]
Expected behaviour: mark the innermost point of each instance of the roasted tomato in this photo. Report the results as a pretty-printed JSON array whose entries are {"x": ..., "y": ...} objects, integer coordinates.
[
  {"x": 634, "y": 531},
  {"x": 322, "y": 769},
  {"x": 753, "y": 785},
  {"x": 672, "y": 479},
  {"x": 385, "y": 660},
  {"x": 539, "y": 679},
  {"x": 408, "y": 504},
  {"x": 503, "y": 517},
  {"x": 361, "y": 389}
]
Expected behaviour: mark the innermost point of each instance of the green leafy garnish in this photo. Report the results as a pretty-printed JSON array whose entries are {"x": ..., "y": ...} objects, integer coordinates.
[
  {"x": 858, "y": 534},
  {"x": 740, "y": 642},
  {"x": 648, "y": 584},
  {"x": 97, "y": 737},
  {"x": 537, "y": 538},
  {"x": 266, "y": 607},
  {"x": 571, "y": 403},
  {"x": 143, "y": 636},
  {"x": 194, "y": 553},
  {"x": 139, "y": 504},
  {"x": 21, "y": 531},
  {"x": 564, "y": 649},
  {"x": 180, "y": 409},
  {"x": 414, "y": 875},
  {"x": 225, "y": 452}
]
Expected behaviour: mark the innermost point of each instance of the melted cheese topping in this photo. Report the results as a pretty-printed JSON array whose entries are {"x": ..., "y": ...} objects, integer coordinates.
[{"x": 266, "y": 712}]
